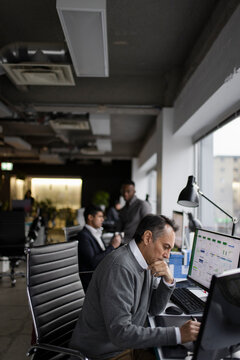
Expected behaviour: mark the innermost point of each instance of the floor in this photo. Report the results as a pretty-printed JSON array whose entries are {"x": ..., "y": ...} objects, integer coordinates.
[{"x": 16, "y": 322}]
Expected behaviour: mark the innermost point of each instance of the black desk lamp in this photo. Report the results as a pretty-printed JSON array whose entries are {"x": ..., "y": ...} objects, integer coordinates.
[{"x": 189, "y": 197}]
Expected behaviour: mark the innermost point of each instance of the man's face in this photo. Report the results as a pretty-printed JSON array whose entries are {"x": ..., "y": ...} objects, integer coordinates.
[
  {"x": 160, "y": 248},
  {"x": 128, "y": 192},
  {"x": 96, "y": 220}
]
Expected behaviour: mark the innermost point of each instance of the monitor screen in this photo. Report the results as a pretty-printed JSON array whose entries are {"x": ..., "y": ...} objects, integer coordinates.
[
  {"x": 212, "y": 253},
  {"x": 24, "y": 205},
  {"x": 220, "y": 329},
  {"x": 178, "y": 219}
]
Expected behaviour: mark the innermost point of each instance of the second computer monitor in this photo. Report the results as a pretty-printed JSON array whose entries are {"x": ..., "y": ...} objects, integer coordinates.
[
  {"x": 220, "y": 329},
  {"x": 212, "y": 253},
  {"x": 178, "y": 218}
]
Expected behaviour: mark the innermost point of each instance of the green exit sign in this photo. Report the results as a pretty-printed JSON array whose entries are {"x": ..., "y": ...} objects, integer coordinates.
[{"x": 6, "y": 166}]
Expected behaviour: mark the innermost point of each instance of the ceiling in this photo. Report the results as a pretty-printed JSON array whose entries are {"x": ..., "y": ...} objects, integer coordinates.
[{"x": 153, "y": 48}]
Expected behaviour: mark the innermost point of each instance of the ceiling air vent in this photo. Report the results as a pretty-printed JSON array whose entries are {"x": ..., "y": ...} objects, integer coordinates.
[
  {"x": 70, "y": 124},
  {"x": 40, "y": 74}
]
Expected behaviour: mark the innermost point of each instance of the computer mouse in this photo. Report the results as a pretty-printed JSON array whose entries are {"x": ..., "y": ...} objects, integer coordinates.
[{"x": 173, "y": 310}]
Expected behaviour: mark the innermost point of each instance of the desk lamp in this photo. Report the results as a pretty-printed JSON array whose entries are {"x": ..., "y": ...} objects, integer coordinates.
[{"x": 189, "y": 197}]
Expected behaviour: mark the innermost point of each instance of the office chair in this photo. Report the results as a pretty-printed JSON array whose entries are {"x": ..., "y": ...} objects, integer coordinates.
[
  {"x": 33, "y": 234},
  {"x": 12, "y": 240},
  {"x": 55, "y": 296},
  {"x": 71, "y": 232}
]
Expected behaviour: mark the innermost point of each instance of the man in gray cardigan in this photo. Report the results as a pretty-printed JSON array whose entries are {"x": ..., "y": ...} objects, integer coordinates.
[{"x": 127, "y": 284}]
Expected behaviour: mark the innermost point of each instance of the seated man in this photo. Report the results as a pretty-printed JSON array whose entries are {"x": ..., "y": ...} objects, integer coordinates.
[
  {"x": 124, "y": 288},
  {"x": 91, "y": 249}
]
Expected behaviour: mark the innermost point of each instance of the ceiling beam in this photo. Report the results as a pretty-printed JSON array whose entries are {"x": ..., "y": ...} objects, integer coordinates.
[{"x": 97, "y": 109}]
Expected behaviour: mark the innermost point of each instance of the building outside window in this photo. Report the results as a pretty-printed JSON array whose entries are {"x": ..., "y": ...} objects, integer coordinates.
[{"x": 219, "y": 177}]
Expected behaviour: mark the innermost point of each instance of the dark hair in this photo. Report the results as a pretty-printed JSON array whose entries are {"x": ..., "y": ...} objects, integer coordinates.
[
  {"x": 91, "y": 210},
  {"x": 128, "y": 182},
  {"x": 154, "y": 223}
]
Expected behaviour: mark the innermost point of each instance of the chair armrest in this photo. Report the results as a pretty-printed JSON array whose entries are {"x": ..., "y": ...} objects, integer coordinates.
[{"x": 57, "y": 349}]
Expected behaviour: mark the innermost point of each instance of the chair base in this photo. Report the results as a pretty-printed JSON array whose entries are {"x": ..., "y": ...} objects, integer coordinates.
[{"x": 13, "y": 274}]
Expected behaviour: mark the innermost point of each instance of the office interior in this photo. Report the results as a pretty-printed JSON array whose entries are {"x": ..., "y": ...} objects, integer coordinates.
[{"x": 171, "y": 77}]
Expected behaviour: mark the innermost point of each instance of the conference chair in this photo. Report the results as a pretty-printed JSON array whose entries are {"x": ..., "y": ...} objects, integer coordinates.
[
  {"x": 71, "y": 232},
  {"x": 12, "y": 241},
  {"x": 55, "y": 297}
]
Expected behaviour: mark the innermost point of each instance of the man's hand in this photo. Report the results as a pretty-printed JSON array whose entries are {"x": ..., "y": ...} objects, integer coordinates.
[
  {"x": 116, "y": 241},
  {"x": 160, "y": 268},
  {"x": 189, "y": 331}
]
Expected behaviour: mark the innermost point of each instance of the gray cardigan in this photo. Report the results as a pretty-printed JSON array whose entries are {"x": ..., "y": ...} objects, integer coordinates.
[{"x": 115, "y": 309}]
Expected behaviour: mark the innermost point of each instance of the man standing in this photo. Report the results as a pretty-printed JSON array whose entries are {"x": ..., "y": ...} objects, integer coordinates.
[
  {"x": 91, "y": 249},
  {"x": 133, "y": 211},
  {"x": 124, "y": 288}
]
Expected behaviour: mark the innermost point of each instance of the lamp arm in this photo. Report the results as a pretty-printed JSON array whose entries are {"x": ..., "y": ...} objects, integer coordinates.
[{"x": 234, "y": 219}]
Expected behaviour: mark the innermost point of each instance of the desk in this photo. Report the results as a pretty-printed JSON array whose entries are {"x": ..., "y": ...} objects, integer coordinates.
[
  {"x": 159, "y": 351},
  {"x": 171, "y": 320}
]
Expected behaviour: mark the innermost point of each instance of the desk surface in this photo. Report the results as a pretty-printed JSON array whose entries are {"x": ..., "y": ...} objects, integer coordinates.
[{"x": 171, "y": 320}]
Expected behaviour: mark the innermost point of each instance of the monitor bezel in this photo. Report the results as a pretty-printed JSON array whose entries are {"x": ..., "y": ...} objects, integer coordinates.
[
  {"x": 197, "y": 347},
  {"x": 212, "y": 232}
]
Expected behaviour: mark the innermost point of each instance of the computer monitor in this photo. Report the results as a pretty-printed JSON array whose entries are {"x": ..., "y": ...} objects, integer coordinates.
[
  {"x": 22, "y": 205},
  {"x": 212, "y": 254},
  {"x": 219, "y": 334},
  {"x": 178, "y": 218}
]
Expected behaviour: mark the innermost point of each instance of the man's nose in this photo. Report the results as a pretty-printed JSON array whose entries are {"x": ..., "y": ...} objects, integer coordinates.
[{"x": 166, "y": 254}]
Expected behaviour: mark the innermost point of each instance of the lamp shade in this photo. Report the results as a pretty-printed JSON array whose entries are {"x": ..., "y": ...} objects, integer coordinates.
[{"x": 189, "y": 195}]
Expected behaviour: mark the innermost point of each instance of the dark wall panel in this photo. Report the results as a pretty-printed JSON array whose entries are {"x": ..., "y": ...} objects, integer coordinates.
[{"x": 96, "y": 176}]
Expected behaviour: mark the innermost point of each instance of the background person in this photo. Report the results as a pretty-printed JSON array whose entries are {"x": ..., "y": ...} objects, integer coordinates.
[
  {"x": 91, "y": 248},
  {"x": 133, "y": 211},
  {"x": 124, "y": 288},
  {"x": 28, "y": 196}
]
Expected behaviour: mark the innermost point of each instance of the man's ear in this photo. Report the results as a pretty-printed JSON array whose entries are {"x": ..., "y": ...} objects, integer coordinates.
[
  {"x": 147, "y": 237},
  {"x": 90, "y": 217}
]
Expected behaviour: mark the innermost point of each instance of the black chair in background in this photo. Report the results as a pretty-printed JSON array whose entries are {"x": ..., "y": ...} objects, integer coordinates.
[
  {"x": 33, "y": 233},
  {"x": 12, "y": 240},
  {"x": 71, "y": 232},
  {"x": 56, "y": 297}
]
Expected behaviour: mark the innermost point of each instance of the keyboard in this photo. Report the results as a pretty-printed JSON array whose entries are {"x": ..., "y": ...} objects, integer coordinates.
[{"x": 187, "y": 301}]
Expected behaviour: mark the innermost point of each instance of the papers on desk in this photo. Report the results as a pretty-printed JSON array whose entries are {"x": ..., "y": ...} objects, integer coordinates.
[
  {"x": 201, "y": 294},
  {"x": 173, "y": 320}
]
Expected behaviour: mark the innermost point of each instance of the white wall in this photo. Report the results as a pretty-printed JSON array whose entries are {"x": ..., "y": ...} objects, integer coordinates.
[
  {"x": 171, "y": 156},
  {"x": 175, "y": 163},
  {"x": 209, "y": 97},
  {"x": 140, "y": 179}
]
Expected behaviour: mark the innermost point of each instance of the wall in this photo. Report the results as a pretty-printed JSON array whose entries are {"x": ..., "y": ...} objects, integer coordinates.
[
  {"x": 95, "y": 176},
  {"x": 175, "y": 163},
  {"x": 212, "y": 93}
]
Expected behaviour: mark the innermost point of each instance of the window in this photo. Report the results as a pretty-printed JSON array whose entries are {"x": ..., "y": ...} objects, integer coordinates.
[{"x": 219, "y": 179}]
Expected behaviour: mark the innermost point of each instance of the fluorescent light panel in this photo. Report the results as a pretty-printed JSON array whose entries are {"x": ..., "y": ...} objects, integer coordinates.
[
  {"x": 85, "y": 28},
  {"x": 100, "y": 124},
  {"x": 51, "y": 159},
  {"x": 17, "y": 142},
  {"x": 4, "y": 111},
  {"x": 104, "y": 145}
]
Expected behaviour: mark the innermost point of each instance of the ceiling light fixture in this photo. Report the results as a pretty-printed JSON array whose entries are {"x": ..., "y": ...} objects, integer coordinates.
[
  {"x": 85, "y": 29},
  {"x": 17, "y": 142},
  {"x": 100, "y": 124}
]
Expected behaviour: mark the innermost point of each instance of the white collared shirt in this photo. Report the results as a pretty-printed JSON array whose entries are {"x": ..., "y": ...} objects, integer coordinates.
[
  {"x": 97, "y": 233},
  {"x": 142, "y": 262}
]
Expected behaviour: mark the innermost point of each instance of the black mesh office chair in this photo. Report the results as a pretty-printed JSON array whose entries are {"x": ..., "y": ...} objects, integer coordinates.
[
  {"x": 56, "y": 297},
  {"x": 71, "y": 232},
  {"x": 12, "y": 240}
]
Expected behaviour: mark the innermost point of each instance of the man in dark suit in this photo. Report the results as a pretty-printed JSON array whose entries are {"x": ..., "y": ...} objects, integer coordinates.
[{"x": 91, "y": 249}]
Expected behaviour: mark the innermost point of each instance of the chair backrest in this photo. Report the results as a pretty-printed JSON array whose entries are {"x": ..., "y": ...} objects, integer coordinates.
[
  {"x": 71, "y": 232},
  {"x": 12, "y": 233},
  {"x": 55, "y": 291}
]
